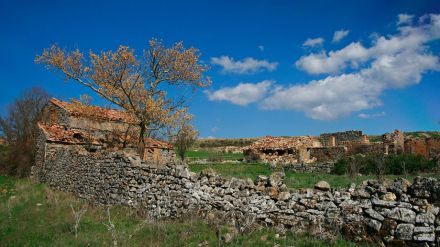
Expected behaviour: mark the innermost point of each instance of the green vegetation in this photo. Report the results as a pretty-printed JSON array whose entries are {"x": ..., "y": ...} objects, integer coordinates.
[
  {"x": 393, "y": 164},
  {"x": 33, "y": 215},
  {"x": 423, "y": 134},
  {"x": 212, "y": 155},
  {"x": 223, "y": 142},
  {"x": 292, "y": 179}
]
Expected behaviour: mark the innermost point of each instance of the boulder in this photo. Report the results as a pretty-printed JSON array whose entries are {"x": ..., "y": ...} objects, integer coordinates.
[
  {"x": 402, "y": 214},
  {"x": 322, "y": 185},
  {"x": 389, "y": 196},
  {"x": 404, "y": 231}
]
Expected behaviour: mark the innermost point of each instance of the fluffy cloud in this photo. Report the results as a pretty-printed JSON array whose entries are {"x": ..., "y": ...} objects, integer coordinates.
[
  {"x": 334, "y": 61},
  {"x": 242, "y": 94},
  {"x": 395, "y": 61},
  {"x": 313, "y": 42},
  {"x": 372, "y": 115},
  {"x": 358, "y": 75},
  {"x": 404, "y": 19},
  {"x": 247, "y": 65},
  {"x": 339, "y": 35}
]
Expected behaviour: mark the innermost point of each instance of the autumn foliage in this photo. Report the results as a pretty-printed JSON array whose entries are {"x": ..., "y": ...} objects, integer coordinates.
[{"x": 152, "y": 87}]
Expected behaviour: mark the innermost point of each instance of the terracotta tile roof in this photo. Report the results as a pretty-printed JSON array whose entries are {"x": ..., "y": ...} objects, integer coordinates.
[
  {"x": 153, "y": 143},
  {"x": 283, "y": 143},
  {"x": 95, "y": 112},
  {"x": 58, "y": 133}
]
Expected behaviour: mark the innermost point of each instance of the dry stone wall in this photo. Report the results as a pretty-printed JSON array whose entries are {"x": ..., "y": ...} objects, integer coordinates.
[{"x": 394, "y": 212}]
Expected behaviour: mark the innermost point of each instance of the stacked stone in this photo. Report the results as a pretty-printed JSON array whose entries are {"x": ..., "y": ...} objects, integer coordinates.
[{"x": 390, "y": 212}]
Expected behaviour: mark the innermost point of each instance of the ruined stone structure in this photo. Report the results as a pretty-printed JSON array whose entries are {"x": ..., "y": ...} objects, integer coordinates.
[
  {"x": 283, "y": 150},
  {"x": 393, "y": 212},
  {"x": 394, "y": 143},
  {"x": 293, "y": 151},
  {"x": 427, "y": 147},
  {"x": 93, "y": 128},
  {"x": 320, "y": 152}
]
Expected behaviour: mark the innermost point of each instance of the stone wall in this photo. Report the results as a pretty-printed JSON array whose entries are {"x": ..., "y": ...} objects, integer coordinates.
[
  {"x": 393, "y": 212},
  {"x": 326, "y": 154},
  {"x": 427, "y": 147},
  {"x": 343, "y": 138}
]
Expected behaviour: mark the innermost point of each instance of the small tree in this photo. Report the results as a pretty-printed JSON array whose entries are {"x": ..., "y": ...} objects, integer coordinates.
[
  {"x": 140, "y": 85},
  {"x": 18, "y": 129},
  {"x": 379, "y": 165},
  {"x": 185, "y": 137},
  {"x": 354, "y": 166}
]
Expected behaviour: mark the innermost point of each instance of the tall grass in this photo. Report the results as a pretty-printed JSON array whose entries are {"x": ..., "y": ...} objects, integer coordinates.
[{"x": 33, "y": 215}]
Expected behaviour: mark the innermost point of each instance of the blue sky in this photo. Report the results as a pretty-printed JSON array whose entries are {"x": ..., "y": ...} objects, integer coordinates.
[{"x": 278, "y": 67}]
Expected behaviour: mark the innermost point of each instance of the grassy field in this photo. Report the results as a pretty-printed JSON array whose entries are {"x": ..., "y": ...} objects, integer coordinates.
[
  {"x": 212, "y": 155},
  {"x": 33, "y": 215},
  {"x": 292, "y": 179}
]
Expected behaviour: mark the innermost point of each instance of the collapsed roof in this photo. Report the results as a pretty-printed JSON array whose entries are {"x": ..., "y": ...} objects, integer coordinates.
[{"x": 95, "y": 112}]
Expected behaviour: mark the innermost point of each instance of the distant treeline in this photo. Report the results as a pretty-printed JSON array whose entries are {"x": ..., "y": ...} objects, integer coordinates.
[{"x": 214, "y": 143}]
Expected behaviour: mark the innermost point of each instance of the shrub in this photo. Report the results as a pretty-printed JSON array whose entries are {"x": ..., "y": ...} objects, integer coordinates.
[{"x": 341, "y": 166}]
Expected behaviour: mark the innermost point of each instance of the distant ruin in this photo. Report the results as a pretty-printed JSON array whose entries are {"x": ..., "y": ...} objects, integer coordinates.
[{"x": 305, "y": 153}]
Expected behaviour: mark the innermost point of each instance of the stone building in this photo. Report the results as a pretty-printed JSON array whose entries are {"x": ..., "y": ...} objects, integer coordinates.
[
  {"x": 429, "y": 148},
  {"x": 92, "y": 128},
  {"x": 292, "y": 150}
]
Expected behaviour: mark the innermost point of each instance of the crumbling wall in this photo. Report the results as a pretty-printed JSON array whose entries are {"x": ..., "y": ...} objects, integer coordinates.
[
  {"x": 426, "y": 147},
  {"x": 343, "y": 138},
  {"x": 326, "y": 154},
  {"x": 395, "y": 212}
]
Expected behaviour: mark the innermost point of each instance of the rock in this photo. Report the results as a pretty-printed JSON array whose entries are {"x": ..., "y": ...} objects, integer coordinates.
[
  {"x": 400, "y": 186},
  {"x": 283, "y": 196},
  {"x": 425, "y": 237},
  {"x": 182, "y": 172},
  {"x": 373, "y": 214},
  {"x": 322, "y": 185},
  {"x": 402, "y": 214},
  {"x": 423, "y": 229},
  {"x": 276, "y": 179},
  {"x": 373, "y": 224},
  {"x": 425, "y": 218},
  {"x": 382, "y": 203},
  {"x": 404, "y": 231},
  {"x": 389, "y": 196}
]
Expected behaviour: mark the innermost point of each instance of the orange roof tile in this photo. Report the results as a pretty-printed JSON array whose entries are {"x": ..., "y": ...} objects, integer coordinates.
[{"x": 96, "y": 112}]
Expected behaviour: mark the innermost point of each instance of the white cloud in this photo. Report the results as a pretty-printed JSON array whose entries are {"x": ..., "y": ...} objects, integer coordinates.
[
  {"x": 339, "y": 35},
  {"x": 404, "y": 19},
  {"x": 313, "y": 42},
  {"x": 261, "y": 47},
  {"x": 318, "y": 63},
  {"x": 358, "y": 75},
  {"x": 327, "y": 99},
  {"x": 393, "y": 61},
  {"x": 242, "y": 94},
  {"x": 372, "y": 115},
  {"x": 247, "y": 65}
]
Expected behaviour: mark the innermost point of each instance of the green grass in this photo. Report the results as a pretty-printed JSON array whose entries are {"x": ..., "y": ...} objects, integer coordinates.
[
  {"x": 292, "y": 179},
  {"x": 33, "y": 215},
  {"x": 207, "y": 154}
]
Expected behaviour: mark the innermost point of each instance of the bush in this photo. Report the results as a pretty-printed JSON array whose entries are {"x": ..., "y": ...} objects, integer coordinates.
[
  {"x": 341, "y": 166},
  {"x": 390, "y": 164}
]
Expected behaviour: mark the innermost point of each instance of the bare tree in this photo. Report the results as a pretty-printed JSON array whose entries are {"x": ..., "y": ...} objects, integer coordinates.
[
  {"x": 18, "y": 128},
  {"x": 185, "y": 137},
  {"x": 378, "y": 159},
  {"x": 140, "y": 85}
]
